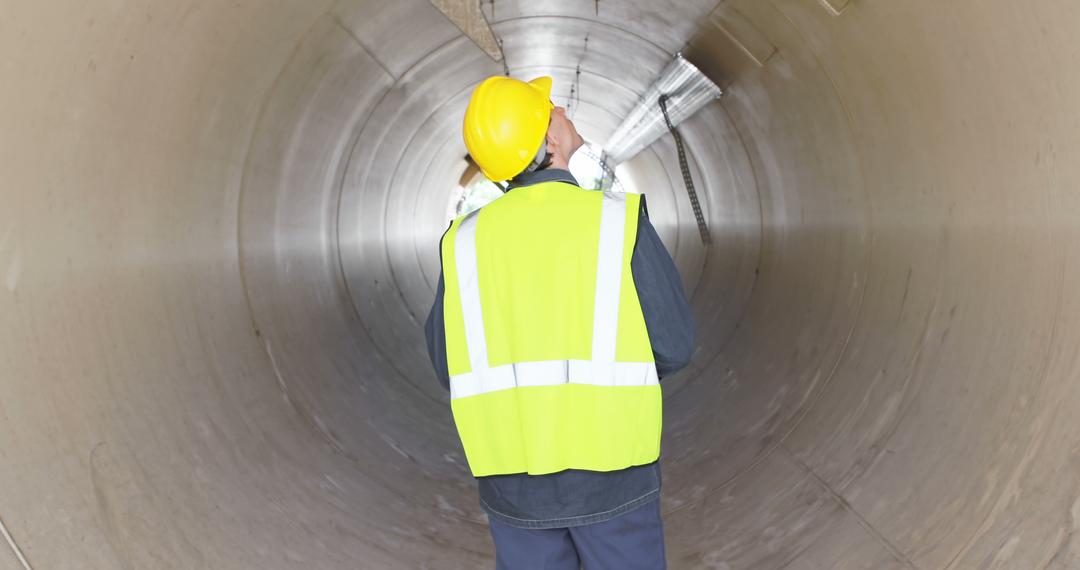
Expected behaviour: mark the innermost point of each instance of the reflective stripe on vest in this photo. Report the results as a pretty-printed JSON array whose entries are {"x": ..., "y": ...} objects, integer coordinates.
[{"x": 594, "y": 413}]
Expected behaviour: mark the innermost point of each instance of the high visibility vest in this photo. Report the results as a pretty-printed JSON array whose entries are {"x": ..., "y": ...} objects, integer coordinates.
[{"x": 550, "y": 362}]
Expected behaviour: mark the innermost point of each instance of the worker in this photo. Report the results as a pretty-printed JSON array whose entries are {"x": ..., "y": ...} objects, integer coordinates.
[{"x": 556, "y": 315}]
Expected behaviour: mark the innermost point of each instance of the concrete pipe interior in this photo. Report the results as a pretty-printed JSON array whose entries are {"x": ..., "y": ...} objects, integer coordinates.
[{"x": 218, "y": 245}]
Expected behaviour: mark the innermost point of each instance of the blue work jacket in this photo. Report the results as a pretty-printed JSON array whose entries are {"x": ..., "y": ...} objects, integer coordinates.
[{"x": 575, "y": 497}]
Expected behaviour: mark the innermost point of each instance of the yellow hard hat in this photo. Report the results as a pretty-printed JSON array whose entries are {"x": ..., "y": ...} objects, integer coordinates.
[{"x": 506, "y": 123}]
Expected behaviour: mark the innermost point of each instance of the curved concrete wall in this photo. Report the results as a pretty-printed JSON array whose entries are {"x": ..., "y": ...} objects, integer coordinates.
[{"x": 218, "y": 244}]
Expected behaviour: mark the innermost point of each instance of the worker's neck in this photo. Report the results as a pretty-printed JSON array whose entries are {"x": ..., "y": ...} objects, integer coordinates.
[
  {"x": 549, "y": 174},
  {"x": 559, "y": 162}
]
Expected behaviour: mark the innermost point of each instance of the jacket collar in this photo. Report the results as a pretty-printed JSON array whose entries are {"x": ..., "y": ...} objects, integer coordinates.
[{"x": 545, "y": 175}]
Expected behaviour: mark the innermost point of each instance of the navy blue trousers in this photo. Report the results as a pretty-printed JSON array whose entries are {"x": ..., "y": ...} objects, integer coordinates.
[{"x": 633, "y": 540}]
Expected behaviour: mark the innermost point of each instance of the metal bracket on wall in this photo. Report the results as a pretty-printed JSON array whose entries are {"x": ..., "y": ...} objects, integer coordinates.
[
  {"x": 468, "y": 15},
  {"x": 835, "y": 7}
]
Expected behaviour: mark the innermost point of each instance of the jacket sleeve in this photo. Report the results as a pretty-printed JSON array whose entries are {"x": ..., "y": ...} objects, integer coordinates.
[
  {"x": 436, "y": 337},
  {"x": 435, "y": 330},
  {"x": 668, "y": 319}
]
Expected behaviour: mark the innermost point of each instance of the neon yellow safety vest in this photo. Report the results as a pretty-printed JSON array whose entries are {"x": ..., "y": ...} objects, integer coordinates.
[{"x": 549, "y": 359}]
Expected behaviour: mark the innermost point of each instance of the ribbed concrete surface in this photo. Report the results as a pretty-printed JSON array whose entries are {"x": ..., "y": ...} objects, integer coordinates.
[{"x": 218, "y": 228}]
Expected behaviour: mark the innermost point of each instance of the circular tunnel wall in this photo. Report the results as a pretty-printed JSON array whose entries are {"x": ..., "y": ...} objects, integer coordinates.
[{"x": 219, "y": 241}]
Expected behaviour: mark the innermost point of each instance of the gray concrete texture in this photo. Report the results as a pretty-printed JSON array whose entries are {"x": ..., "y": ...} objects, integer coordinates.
[{"x": 218, "y": 229}]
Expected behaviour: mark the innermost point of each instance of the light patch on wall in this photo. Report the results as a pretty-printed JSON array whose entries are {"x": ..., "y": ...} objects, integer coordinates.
[
  {"x": 14, "y": 271},
  {"x": 12, "y": 261}
]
